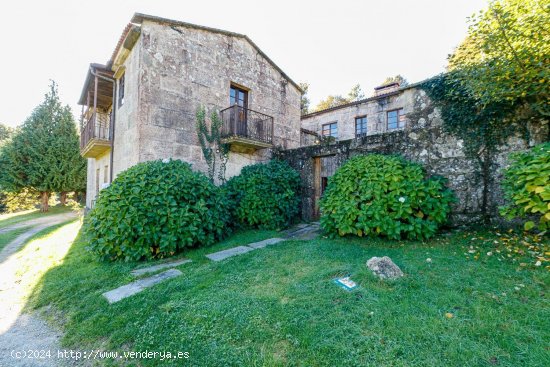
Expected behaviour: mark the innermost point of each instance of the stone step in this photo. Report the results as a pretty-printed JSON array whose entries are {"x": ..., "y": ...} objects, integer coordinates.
[
  {"x": 139, "y": 285},
  {"x": 264, "y": 243},
  {"x": 222, "y": 255},
  {"x": 152, "y": 269}
]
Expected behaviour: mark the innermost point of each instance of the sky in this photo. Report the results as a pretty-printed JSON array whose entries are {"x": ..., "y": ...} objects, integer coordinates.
[{"x": 332, "y": 45}]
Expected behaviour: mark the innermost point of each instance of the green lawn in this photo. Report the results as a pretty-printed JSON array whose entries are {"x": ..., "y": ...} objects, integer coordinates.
[
  {"x": 14, "y": 218},
  {"x": 7, "y": 237},
  {"x": 278, "y": 306}
]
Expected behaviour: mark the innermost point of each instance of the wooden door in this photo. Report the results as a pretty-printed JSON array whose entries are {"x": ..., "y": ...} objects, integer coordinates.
[
  {"x": 239, "y": 98},
  {"x": 323, "y": 167}
]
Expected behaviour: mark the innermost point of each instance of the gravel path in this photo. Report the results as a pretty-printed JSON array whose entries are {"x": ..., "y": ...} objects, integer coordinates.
[{"x": 24, "y": 332}]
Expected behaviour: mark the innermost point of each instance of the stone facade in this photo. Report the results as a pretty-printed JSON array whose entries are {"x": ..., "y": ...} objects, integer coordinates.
[
  {"x": 422, "y": 140},
  {"x": 173, "y": 68}
]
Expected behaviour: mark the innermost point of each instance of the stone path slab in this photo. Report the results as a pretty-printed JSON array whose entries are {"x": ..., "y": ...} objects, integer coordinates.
[
  {"x": 221, "y": 255},
  {"x": 152, "y": 269},
  {"x": 130, "y": 289},
  {"x": 265, "y": 243},
  {"x": 301, "y": 232}
]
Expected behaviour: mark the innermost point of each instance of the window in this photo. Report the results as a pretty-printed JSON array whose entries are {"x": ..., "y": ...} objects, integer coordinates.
[
  {"x": 330, "y": 129},
  {"x": 396, "y": 119},
  {"x": 97, "y": 173},
  {"x": 360, "y": 126},
  {"x": 238, "y": 96},
  {"x": 106, "y": 174},
  {"x": 121, "y": 90}
]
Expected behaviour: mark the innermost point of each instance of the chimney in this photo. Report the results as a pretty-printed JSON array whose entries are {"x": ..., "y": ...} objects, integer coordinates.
[{"x": 386, "y": 88}]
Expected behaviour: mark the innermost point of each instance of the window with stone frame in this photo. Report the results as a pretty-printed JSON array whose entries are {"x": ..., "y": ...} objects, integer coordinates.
[
  {"x": 330, "y": 129},
  {"x": 360, "y": 126},
  {"x": 396, "y": 119},
  {"x": 121, "y": 86}
]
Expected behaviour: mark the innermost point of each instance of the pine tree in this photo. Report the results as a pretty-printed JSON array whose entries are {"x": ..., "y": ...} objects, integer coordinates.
[{"x": 44, "y": 154}]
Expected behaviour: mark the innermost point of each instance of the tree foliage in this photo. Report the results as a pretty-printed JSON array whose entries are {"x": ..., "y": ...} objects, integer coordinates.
[
  {"x": 377, "y": 195},
  {"x": 5, "y": 133},
  {"x": 506, "y": 56},
  {"x": 355, "y": 94},
  {"x": 398, "y": 78},
  {"x": 44, "y": 155}
]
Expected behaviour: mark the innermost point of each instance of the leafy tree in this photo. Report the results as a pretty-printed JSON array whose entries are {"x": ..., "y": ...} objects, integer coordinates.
[
  {"x": 304, "y": 100},
  {"x": 506, "y": 56},
  {"x": 354, "y": 94},
  {"x": 398, "y": 78},
  {"x": 42, "y": 156}
]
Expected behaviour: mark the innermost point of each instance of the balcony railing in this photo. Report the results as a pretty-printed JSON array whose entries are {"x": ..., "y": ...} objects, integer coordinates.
[
  {"x": 95, "y": 135},
  {"x": 242, "y": 126}
]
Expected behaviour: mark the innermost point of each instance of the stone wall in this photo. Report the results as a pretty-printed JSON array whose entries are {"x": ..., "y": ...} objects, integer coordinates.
[
  {"x": 424, "y": 141},
  {"x": 182, "y": 68}
]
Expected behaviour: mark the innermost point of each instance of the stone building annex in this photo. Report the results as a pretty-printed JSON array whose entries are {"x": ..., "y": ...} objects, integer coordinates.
[{"x": 141, "y": 106}]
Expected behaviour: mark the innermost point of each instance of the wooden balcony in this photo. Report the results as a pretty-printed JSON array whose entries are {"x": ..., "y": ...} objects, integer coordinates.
[
  {"x": 95, "y": 135},
  {"x": 245, "y": 129}
]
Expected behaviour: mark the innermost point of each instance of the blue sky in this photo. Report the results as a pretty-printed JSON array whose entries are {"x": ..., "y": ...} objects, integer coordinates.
[{"x": 330, "y": 44}]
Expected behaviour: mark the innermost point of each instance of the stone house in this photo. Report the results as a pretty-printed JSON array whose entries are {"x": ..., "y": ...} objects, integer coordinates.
[{"x": 142, "y": 104}]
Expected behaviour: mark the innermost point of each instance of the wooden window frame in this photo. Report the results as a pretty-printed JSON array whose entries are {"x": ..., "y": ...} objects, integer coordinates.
[
  {"x": 329, "y": 129},
  {"x": 242, "y": 89},
  {"x": 400, "y": 123},
  {"x": 365, "y": 125}
]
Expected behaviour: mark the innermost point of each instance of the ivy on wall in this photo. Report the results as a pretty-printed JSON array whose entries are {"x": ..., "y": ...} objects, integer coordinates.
[{"x": 483, "y": 127}]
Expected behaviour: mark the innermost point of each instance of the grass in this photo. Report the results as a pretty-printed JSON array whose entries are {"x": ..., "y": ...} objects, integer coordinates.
[
  {"x": 278, "y": 306},
  {"x": 14, "y": 218},
  {"x": 7, "y": 237}
]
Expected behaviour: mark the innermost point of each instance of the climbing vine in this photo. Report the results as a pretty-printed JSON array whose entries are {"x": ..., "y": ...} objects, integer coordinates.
[
  {"x": 482, "y": 127},
  {"x": 212, "y": 147}
]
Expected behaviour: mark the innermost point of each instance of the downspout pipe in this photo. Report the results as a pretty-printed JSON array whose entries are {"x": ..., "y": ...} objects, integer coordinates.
[{"x": 113, "y": 119}]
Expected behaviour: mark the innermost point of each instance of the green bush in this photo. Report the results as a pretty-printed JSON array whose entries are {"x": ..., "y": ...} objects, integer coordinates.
[
  {"x": 265, "y": 195},
  {"x": 154, "y": 210},
  {"x": 527, "y": 187},
  {"x": 379, "y": 195}
]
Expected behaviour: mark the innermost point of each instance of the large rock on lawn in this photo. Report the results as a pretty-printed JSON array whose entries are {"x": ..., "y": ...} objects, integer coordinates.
[{"x": 384, "y": 268}]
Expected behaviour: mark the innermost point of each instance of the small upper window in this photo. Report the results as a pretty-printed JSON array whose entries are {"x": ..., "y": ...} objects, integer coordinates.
[
  {"x": 360, "y": 126},
  {"x": 330, "y": 129},
  {"x": 121, "y": 90},
  {"x": 396, "y": 119}
]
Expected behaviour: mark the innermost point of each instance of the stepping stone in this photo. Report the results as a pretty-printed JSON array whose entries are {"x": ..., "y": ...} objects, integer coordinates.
[
  {"x": 135, "y": 287},
  {"x": 221, "y": 255},
  {"x": 152, "y": 269},
  {"x": 265, "y": 243}
]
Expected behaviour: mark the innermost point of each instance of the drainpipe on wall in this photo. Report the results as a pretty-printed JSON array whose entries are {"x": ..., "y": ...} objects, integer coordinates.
[{"x": 113, "y": 115}]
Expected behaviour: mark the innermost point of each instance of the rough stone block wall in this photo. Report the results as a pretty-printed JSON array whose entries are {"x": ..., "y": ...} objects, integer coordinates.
[
  {"x": 424, "y": 141},
  {"x": 183, "y": 68}
]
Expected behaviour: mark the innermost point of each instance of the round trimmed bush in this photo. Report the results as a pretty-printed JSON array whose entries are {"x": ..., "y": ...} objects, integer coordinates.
[
  {"x": 265, "y": 196},
  {"x": 155, "y": 209},
  {"x": 378, "y": 195},
  {"x": 527, "y": 187}
]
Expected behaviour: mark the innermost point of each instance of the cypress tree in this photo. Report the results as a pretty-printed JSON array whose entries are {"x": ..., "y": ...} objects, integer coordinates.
[{"x": 44, "y": 154}]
